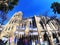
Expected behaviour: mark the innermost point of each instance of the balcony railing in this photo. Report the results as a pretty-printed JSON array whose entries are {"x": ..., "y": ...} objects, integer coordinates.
[
  {"x": 20, "y": 28},
  {"x": 34, "y": 29},
  {"x": 33, "y": 33},
  {"x": 23, "y": 28}
]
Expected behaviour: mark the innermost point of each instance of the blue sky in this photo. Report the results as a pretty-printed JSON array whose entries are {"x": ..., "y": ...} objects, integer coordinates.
[{"x": 33, "y": 7}]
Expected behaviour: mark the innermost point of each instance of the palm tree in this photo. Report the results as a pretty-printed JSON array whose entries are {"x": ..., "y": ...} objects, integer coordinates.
[
  {"x": 5, "y": 6},
  {"x": 56, "y": 7}
]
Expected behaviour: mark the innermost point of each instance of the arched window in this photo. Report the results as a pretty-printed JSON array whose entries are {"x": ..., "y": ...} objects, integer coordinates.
[
  {"x": 45, "y": 36},
  {"x": 59, "y": 34},
  {"x": 54, "y": 35}
]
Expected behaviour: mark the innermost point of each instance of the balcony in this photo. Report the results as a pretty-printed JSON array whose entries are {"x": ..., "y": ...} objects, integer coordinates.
[
  {"x": 19, "y": 32},
  {"x": 1, "y": 29},
  {"x": 20, "y": 28},
  {"x": 32, "y": 29},
  {"x": 33, "y": 33}
]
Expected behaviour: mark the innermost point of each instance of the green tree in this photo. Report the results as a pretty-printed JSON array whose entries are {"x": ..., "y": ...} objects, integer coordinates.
[
  {"x": 5, "y": 6},
  {"x": 56, "y": 7}
]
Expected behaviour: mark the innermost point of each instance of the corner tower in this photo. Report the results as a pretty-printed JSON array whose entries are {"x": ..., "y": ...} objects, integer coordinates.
[{"x": 10, "y": 27}]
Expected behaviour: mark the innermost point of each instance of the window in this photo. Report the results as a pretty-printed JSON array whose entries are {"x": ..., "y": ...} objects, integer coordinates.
[
  {"x": 59, "y": 34},
  {"x": 15, "y": 21},
  {"x": 12, "y": 27},
  {"x": 9, "y": 28},
  {"x": 30, "y": 24},
  {"x": 45, "y": 36},
  {"x": 34, "y": 22},
  {"x": 42, "y": 24},
  {"x": 12, "y": 22},
  {"x": 24, "y": 25},
  {"x": 54, "y": 35},
  {"x": 17, "y": 15}
]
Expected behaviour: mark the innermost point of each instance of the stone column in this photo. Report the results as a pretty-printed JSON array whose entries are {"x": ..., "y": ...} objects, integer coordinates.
[
  {"x": 51, "y": 36},
  {"x": 38, "y": 27},
  {"x": 27, "y": 27}
]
